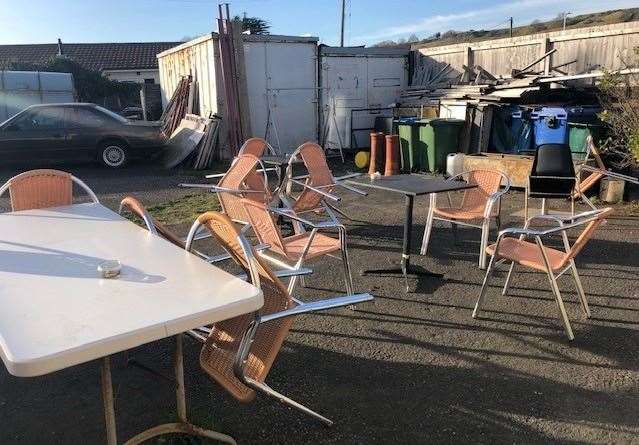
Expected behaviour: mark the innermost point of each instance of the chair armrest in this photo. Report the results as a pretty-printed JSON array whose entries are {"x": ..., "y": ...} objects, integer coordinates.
[
  {"x": 226, "y": 256},
  {"x": 284, "y": 273},
  {"x": 215, "y": 188},
  {"x": 316, "y": 306},
  {"x": 216, "y": 175},
  {"x": 514, "y": 231},
  {"x": 315, "y": 225},
  {"x": 317, "y": 190},
  {"x": 611, "y": 174}
]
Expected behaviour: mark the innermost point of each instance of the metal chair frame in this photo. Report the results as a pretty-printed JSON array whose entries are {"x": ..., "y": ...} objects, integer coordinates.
[
  {"x": 331, "y": 223},
  {"x": 240, "y": 362},
  {"x": 6, "y": 186},
  {"x": 493, "y": 199},
  {"x": 563, "y": 225}
]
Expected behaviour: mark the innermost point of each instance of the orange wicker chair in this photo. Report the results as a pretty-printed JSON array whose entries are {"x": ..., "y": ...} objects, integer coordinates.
[
  {"x": 242, "y": 180},
  {"x": 300, "y": 247},
  {"x": 239, "y": 352},
  {"x": 155, "y": 227},
  {"x": 37, "y": 189},
  {"x": 318, "y": 184},
  {"x": 479, "y": 204},
  {"x": 256, "y": 147},
  {"x": 512, "y": 246}
]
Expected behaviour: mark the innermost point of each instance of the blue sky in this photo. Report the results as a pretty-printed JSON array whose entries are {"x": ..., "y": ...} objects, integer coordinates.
[{"x": 368, "y": 21}]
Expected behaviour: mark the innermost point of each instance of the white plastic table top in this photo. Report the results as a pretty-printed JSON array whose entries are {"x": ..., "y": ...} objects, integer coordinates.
[{"x": 56, "y": 311}]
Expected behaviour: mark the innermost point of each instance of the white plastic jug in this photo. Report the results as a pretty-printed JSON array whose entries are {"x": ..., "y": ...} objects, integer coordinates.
[{"x": 454, "y": 164}]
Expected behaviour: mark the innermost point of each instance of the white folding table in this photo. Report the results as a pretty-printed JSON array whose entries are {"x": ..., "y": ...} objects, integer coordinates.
[{"x": 58, "y": 312}]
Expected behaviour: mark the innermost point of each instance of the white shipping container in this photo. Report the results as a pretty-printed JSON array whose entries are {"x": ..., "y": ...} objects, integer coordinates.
[
  {"x": 367, "y": 79},
  {"x": 281, "y": 77},
  {"x": 20, "y": 89}
]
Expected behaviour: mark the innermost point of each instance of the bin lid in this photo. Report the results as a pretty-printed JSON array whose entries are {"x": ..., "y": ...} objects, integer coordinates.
[
  {"x": 439, "y": 121},
  {"x": 406, "y": 120},
  {"x": 558, "y": 112}
]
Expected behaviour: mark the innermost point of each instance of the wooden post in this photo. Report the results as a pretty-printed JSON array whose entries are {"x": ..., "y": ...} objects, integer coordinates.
[
  {"x": 546, "y": 46},
  {"x": 469, "y": 61}
]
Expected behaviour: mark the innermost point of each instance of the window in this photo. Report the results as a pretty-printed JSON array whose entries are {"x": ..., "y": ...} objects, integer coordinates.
[
  {"x": 39, "y": 119},
  {"x": 81, "y": 117},
  {"x": 151, "y": 81}
]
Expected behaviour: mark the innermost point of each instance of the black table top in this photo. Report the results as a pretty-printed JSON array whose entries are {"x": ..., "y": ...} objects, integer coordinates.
[{"x": 411, "y": 185}]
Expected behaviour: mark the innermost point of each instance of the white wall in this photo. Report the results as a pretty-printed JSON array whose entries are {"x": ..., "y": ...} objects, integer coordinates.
[{"x": 132, "y": 75}]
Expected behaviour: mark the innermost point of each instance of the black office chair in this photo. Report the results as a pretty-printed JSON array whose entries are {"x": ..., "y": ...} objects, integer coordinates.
[{"x": 552, "y": 175}]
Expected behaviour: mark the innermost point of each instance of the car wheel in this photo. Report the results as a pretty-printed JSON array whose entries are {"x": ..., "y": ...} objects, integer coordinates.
[{"x": 113, "y": 154}]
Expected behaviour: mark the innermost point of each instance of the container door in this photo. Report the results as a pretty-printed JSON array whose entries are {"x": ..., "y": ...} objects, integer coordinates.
[
  {"x": 281, "y": 83},
  {"x": 343, "y": 88},
  {"x": 387, "y": 77}
]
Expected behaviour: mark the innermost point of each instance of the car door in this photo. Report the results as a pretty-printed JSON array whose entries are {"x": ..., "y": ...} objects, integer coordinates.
[
  {"x": 36, "y": 135},
  {"x": 85, "y": 128}
]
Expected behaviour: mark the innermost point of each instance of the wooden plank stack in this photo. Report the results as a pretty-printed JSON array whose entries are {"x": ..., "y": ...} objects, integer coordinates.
[
  {"x": 178, "y": 106},
  {"x": 206, "y": 149}
]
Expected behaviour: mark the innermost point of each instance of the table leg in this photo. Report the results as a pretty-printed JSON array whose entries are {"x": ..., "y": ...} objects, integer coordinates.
[
  {"x": 183, "y": 426},
  {"x": 107, "y": 399},
  {"x": 405, "y": 269}
]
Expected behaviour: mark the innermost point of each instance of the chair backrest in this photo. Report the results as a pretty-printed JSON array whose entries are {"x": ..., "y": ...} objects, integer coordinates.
[
  {"x": 319, "y": 175},
  {"x": 264, "y": 225},
  {"x": 242, "y": 175},
  {"x": 219, "y": 351},
  {"x": 253, "y": 146},
  {"x": 590, "y": 226},
  {"x": 37, "y": 189},
  {"x": 553, "y": 171},
  {"x": 134, "y": 206},
  {"x": 488, "y": 182}
]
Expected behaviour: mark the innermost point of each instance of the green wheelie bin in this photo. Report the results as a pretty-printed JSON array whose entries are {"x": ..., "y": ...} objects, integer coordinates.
[
  {"x": 412, "y": 158},
  {"x": 577, "y": 134},
  {"x": 437, "y": 139}
]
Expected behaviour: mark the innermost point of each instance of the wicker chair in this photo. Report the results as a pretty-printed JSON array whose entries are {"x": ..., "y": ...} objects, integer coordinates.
[
  {"x": 256, "y": 147},
  {"x": 318, "y": 184},
  {"x": 512, "y": 246},
  {"x": 242, "y": 180},
  {"x": 239, "y": 352},
  {"x": 479, "y": 204},
  {"x": 37, "y": 189},
  {"x": 300, "y": 247},
  {"x": 155, "y": 227}
]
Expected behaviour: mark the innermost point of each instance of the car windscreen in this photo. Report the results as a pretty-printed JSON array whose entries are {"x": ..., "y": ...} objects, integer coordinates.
[{"x": 112, "y": 114}]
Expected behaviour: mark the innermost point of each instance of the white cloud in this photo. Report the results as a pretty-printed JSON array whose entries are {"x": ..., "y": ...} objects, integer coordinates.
[{"x": 523, "y": 12}]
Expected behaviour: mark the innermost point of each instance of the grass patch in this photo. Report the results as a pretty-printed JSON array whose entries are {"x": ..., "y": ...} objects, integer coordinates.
[{"x": 184, "y": 210}]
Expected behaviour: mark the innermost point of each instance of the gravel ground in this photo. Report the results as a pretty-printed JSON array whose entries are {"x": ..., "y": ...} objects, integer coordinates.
[{"x": 408, "y": 368}]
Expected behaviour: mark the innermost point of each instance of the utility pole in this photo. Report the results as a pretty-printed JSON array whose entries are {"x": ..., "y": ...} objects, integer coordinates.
[
  {"x": 511, "y": 27},
  {"x": 565, "y": 17},
  {"x": 341, "y": 40}
]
